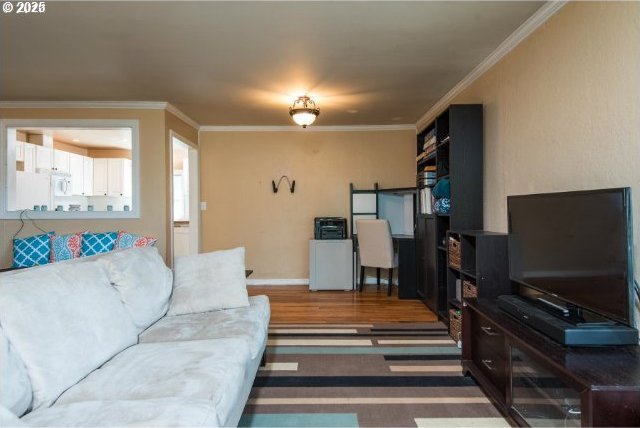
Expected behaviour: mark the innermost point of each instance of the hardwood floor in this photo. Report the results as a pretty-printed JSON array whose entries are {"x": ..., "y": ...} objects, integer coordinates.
[{"x": 296, "y": 304}]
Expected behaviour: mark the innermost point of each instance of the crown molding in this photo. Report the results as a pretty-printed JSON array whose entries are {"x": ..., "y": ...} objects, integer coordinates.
[
  {"x": 545, "y": 12},
  {"x": 143, "y": 105},
  {"x": 180, "y": 115},
  {"x": 134, "y": 105},
  {"x": 400, "y": 127}
]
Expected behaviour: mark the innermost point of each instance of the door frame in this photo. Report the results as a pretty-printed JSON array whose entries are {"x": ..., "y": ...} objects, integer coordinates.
[{"x": 194, "y": 192}]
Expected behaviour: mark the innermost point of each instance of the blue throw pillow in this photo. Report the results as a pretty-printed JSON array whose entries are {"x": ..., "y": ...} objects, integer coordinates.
[
  {"x": 32, "y": 251},
  {"x": 96, "y": 243}
]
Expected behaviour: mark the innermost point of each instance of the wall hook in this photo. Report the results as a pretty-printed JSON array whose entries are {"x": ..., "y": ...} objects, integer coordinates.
[{"x": 292, "y": 184}]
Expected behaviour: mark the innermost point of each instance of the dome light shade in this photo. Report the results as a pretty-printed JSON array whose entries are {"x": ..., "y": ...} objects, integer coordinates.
[{"x": 304, "y": 111}]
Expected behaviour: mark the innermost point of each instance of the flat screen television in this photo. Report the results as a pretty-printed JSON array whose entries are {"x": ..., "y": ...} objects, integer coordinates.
[{"x": 575, "y": 247}]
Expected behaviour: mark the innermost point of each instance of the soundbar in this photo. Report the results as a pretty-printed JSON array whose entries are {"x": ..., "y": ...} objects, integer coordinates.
[{"x": 569, "y": 334}]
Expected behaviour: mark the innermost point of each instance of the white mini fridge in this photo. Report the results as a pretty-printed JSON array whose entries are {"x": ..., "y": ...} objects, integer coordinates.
[{"x": 330, "y": 264}]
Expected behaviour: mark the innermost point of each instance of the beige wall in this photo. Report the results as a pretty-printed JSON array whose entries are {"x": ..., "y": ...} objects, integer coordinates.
[
  {"x": 154, "y": 129},
  {"x": 562, "y": 110},
  {"x": 236, "y": 173}
]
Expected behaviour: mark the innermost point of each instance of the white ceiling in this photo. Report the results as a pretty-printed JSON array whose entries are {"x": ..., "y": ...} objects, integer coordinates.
[{"x": 242, "y": 63}]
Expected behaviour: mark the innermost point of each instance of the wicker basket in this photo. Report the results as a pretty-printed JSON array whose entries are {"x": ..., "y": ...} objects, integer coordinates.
[
  {"x": 455, "y": 324},
  {"x": 469, "y": 289},
  {"x": 454, "y": 252}
]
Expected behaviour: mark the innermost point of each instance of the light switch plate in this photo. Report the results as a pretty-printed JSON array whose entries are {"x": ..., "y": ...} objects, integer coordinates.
[{"x": 203, "y": 206}]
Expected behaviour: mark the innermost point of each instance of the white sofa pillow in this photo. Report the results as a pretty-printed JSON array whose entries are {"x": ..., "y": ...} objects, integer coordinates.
[
  {"x": 143, "y": 282},
  {"x": 64, "y": 321},
  {"x": 15, "y": 386},
  {"x": 209, "y": 282},
  {"x": 8, "y": 419}
]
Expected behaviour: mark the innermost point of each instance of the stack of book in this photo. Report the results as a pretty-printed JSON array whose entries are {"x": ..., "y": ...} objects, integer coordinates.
[
  {"x": 425, "y": 201},
  {"x": 429, "y": 145},
  {"x": 427, "y": 177}
]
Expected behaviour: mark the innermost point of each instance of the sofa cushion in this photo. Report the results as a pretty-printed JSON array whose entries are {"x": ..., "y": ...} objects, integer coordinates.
[
  {"x": 8, "y": 419},
  {"x": 143, "y": 282},
  {"x": 15, "y": 386},
  {"x": 167, "y": 412},
  {"x": 201, "y": 369},
  {"x": 250, "y": 324},
  {"x": 131, "y": 240},
  {"x": 98, "y": 243},
  {"x": 31, "y": 251},
  {"x": 209, "y": 282},
  {"x": 66, "y": 247},
  {"x": 64, "y": 321}
]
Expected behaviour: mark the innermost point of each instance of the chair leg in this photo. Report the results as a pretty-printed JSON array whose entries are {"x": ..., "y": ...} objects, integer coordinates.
[
  {"x": 378, "y": 277},
  {"x": 361, "y": 278},
  {"x": 390, "y": 281}
]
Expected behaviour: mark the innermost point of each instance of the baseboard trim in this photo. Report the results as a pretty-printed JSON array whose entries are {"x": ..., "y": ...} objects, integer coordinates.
[{"x": 276, "y": 281}]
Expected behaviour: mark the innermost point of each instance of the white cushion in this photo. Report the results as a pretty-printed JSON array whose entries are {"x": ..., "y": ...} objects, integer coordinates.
[
  {"x": 209, "y": 282},
  {"x": 143, "y": 282},
  {"x": 64, "y": 321},
  {"x": 212, "y": 370},
  {"x": 15, "y": 386},
  {"x": 8, "y": 419},
  {"x": 250, "y": 324},
  {"x": 166, "y": 412}
]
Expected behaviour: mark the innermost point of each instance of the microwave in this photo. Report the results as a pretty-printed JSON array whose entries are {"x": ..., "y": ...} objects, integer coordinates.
[{"x": 61, "y": 184}]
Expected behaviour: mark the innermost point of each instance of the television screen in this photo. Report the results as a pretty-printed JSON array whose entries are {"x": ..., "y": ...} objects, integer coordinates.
[{"x": 575, "y": 246}]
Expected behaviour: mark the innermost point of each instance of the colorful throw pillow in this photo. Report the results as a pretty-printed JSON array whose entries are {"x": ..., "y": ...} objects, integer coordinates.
[
  {"x": 32, "y": 251},
  {"x": 66, "y": 247},
  {"x": 131, "y": 240},
  {"x": 97, "y": 243}
]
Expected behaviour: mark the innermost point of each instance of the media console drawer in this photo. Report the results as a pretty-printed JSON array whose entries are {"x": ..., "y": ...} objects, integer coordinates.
[{"x": 489, "y": 351}]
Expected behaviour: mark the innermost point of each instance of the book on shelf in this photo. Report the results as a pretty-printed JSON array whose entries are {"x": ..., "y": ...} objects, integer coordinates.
[{"x": 425, "y": 201}]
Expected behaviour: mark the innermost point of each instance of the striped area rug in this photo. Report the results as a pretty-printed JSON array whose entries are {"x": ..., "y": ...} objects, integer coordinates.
[{"x": 365, "y": 375}]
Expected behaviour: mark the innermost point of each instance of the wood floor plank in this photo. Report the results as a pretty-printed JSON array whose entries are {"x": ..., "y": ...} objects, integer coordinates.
[{"x": 296, "y": 304}]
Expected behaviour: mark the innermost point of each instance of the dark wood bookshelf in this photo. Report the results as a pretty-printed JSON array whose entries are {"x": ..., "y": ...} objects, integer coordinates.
[{"x": 458, "y": 156}]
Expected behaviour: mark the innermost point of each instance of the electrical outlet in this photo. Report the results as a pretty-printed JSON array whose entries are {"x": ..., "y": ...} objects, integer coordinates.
[{"x": 203, "y": 206}]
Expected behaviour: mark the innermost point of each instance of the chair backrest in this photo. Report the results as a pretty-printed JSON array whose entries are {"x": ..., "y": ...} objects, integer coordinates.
[{"x": 374, "y": 243}]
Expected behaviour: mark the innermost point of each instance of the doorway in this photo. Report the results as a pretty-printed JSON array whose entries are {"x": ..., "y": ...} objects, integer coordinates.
[{"x": 185, "y": 213}]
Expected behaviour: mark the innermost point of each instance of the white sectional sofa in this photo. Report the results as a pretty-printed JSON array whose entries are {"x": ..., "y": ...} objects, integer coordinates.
[{"x": 88, "y": 343}]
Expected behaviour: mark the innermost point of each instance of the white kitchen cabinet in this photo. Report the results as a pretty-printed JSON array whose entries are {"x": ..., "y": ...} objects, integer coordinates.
[
  {"x": 119, "y": 177},
  {"x": 116, "y": 179},
  {"x": 29, "y": 157},
  {"x": 112, "y": 177},
  {"x": 100, "y": 177},
  {"x": 87, "y": 176},
  {"x": 44, "y": 158},
  {"x": 76, "y": 169},
  {"x": 20, "y": 151},
  {"x": 61, "y": 161}
]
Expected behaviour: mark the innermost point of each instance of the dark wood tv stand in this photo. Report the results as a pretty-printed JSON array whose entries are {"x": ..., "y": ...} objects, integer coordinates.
[{"x": 528, "y": 376}]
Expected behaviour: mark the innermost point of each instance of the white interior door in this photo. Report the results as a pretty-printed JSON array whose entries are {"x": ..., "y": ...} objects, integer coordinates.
[{"x": 185, "y": 210}]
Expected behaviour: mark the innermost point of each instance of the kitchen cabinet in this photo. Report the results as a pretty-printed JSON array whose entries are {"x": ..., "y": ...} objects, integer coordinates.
[
  {"x": 112, "y": 177},
  {"x": 61, "y": 161},
  {"x": 19, "y": 151},
  {"x": 29, "y": 157},
  {"x": 44, "y": 158},
  {"x": 87, "y": 176},
  {"x": 100, "y": 177},
  {"x": 76, "y": 169},
  {"x": 119, "y": 177}
]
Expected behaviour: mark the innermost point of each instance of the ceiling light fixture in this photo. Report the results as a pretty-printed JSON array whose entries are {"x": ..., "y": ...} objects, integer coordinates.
[{"x": 304, "y": 111}]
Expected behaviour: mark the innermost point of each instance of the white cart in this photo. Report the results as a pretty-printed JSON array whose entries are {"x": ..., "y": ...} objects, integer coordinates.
[{"x": 330, "y": 264}]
